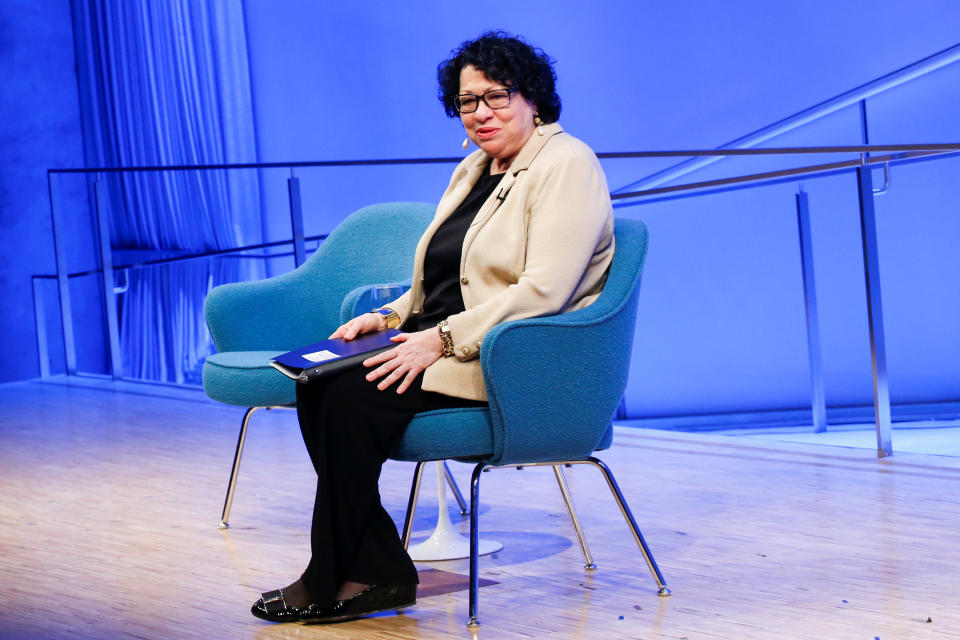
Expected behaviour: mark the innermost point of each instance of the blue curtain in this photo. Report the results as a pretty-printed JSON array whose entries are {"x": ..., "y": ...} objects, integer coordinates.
[{"x": 165, "y": 82}]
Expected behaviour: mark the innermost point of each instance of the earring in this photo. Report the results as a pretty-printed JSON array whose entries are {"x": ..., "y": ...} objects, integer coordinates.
[
  {"x": 537, "y": 121},
  {"x": 466, "y": 143}
]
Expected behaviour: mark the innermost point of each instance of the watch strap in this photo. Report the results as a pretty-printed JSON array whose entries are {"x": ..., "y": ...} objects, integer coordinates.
[{"x": 392, "y": 317}]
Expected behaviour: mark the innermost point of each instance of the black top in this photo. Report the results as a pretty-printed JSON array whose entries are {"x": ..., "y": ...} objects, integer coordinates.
[{"x": 441, "y": 265}]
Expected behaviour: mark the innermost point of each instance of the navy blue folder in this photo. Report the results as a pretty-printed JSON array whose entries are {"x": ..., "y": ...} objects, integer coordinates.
[{"x": 330, "y": 356}]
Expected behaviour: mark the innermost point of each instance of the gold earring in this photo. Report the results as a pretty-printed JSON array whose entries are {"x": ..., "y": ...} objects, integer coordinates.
[
  {"x": 466, "y": 143},
  {"x": 537, "y": 121}
]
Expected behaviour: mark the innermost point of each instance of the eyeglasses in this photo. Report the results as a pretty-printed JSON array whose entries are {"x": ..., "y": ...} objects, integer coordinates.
[{"x": 495, "y": 99}]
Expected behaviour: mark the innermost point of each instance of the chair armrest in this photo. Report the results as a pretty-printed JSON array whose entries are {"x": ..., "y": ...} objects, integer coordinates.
[
  {"x": 270, "y": 314},
  {"x": 359, "y": 301},
  {"x": 556, "y": 381}
]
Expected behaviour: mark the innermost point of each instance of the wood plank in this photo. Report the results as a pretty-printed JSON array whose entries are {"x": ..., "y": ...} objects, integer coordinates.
[{"x": 110, "y": 495}]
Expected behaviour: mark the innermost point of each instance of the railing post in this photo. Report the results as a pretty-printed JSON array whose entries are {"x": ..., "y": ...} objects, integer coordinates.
[
  {"x": 871, "y": 268},
  {"x": 63, "y": 278},
  {"x": 106, "y": 272},
  {"x": 40, "y": 319},
  {"x": 296, "y": 220},
  {"x": 818, "y": 403}
]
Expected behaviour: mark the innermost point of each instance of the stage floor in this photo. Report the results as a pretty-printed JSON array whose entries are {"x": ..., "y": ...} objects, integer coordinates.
[
  {"x": 110, "y": 496},
  {"x": 934, "y": 437}
]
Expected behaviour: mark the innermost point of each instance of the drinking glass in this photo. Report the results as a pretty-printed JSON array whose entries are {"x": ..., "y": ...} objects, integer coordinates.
[{"x": 383, "y": 294}]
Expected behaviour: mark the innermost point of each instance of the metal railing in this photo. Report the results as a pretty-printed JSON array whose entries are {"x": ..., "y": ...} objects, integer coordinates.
[
  {"x": 871, "y": 261},
  {"x": 856, "y": 96},
  {"x": 861, "y": 165}
]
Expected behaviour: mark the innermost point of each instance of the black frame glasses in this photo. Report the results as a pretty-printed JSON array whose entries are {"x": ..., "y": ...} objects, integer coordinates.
[{"x": 485, "y": 96}]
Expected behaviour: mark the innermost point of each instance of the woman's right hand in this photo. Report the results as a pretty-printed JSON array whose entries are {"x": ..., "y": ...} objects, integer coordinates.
[{"x": 367, "y": 323}]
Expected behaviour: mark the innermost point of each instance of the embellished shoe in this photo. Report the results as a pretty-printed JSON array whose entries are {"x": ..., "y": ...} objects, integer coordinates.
[
  {"x": 373, "y": 599},
  {"x": 271, "y": 606}
]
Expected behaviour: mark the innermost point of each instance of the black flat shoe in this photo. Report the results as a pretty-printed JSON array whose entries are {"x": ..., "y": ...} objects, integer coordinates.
[
  {"x": 271, "y": 606},
  {"x": 373, "y": 599}
]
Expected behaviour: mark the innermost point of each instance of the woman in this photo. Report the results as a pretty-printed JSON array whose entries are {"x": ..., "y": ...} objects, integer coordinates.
[{"x": 525, "y": 228}]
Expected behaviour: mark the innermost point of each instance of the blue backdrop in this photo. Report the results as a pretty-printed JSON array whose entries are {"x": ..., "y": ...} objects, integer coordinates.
[{"x": 721, "y": 324}]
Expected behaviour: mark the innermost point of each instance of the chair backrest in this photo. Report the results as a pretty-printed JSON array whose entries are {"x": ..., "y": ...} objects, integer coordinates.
[
  {"x": 373, "y": 245},
  {"x": 555, "y": 382}
]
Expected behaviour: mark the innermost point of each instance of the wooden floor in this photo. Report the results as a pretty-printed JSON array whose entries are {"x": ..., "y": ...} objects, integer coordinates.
[{"x": 109, "y": 502}]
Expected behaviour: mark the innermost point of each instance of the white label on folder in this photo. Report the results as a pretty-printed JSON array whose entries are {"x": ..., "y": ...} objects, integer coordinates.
[{"x": 320, "y": 356}]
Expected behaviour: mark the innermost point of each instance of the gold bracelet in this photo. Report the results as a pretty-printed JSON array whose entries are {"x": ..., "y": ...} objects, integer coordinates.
[
  {"x": 391, "y": 317},
  {"x": 446, "y": 340}
]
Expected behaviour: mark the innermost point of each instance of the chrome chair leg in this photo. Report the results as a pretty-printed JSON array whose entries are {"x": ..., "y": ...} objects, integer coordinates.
[
  {"x": 232, "y": 485},
  {"x": 571, "y": 510},
  {"x": 474, "y": 543},
  {"x": 412, "y": 503},
  {"x": 662, "y": 590},
  {"x": 452, "y": 483}
]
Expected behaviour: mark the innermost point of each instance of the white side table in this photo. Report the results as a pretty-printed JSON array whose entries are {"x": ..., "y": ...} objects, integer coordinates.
[{"x": 446, "y": 543}]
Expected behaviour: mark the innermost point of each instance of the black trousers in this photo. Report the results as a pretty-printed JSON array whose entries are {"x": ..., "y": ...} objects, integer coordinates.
[{"x": 349, "y": 428}]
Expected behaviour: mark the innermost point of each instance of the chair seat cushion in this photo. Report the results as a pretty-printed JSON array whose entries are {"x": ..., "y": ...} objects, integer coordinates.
[
  {"x": 246, "y": 379},
  {"x": 447, "y": 433}
]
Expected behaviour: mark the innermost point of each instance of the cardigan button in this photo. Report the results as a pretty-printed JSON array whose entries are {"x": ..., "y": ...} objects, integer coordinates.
[
  {"x": 466, "y": 351},
  {"x": 464, "y": 280}
]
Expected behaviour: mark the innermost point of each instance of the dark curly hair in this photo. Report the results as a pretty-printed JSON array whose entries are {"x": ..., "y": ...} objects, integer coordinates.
[{"x": 506, "y": 59}]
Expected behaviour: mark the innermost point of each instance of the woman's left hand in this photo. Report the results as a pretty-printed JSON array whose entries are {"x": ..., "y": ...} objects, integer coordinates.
[{"x": 405, "y": 362}]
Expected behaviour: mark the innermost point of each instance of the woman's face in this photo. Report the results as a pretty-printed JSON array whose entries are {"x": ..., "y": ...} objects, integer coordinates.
[{"x": 499, "y": 132}]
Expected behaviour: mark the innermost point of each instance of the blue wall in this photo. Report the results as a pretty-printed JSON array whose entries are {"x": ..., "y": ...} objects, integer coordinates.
[
  {"x": 721, "y": 325},
  {"x": 39, "y": 129}
]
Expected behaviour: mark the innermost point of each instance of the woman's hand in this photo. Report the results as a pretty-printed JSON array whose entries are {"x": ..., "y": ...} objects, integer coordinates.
[
  {"x": 367, "y": 323},
  {"x": 416, "y": 352}
]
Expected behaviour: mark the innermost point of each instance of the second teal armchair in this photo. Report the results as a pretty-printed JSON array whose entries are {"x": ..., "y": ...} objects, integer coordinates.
[{"x": 252, "y": 322}]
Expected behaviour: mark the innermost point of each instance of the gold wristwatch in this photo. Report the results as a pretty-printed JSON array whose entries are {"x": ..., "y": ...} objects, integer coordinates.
[
  {"x": 391, "y": 316},
  {"x": 446, "y": 340}
]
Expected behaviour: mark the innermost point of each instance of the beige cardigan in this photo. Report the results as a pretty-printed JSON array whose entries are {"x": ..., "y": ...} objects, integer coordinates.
[{"x": 541, "y": 244}]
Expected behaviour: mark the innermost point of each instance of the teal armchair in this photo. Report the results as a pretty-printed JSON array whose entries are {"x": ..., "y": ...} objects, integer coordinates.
[
  {"x": 554, "y": 384},
  {"x": 253, "y": 322}
]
